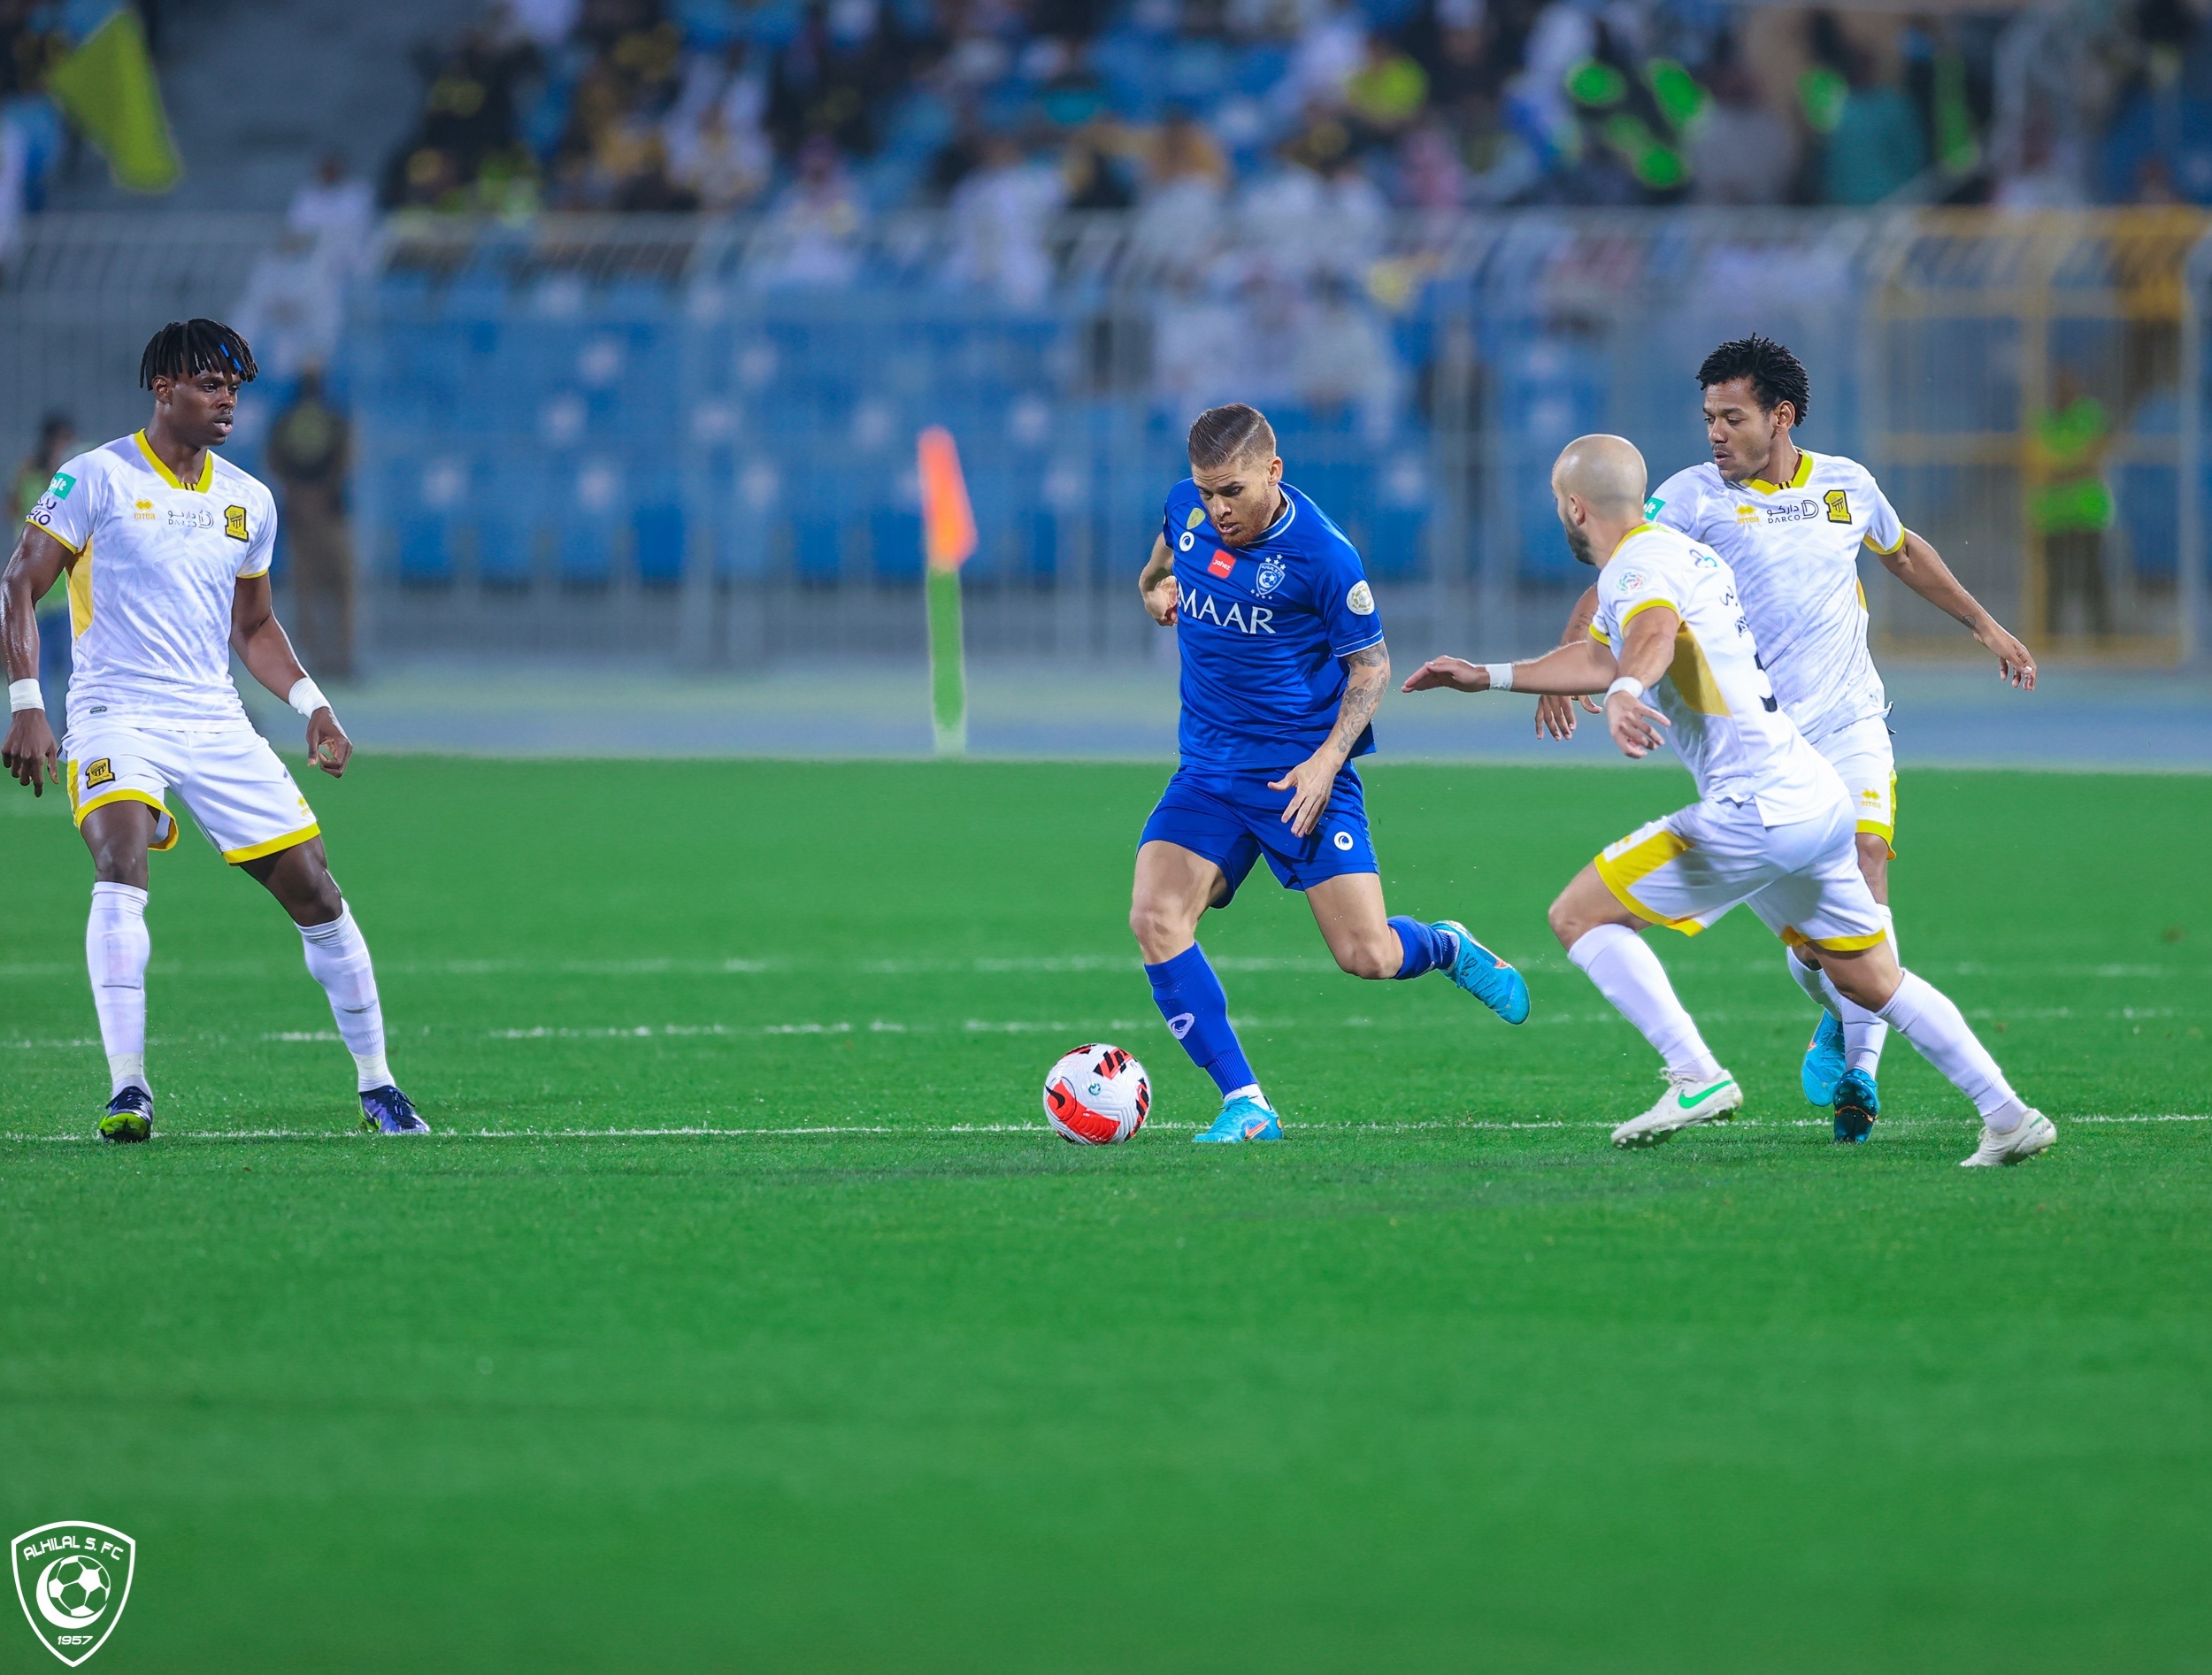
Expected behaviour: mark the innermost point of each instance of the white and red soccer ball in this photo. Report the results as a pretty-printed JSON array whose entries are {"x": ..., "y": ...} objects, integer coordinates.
[{"x": 1097, "y": 1095}]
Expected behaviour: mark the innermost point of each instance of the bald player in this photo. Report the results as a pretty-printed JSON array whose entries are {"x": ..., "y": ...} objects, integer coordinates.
[{"x": 1773, "y": 827}]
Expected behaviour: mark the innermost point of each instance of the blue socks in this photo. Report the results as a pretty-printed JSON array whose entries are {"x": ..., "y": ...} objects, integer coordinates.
[
  {"x": 1426, "y": 947},
  {"x": 1189, "y": 996}
]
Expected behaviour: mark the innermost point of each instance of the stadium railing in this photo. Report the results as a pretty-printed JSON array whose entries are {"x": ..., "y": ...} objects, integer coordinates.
[{"x": 690, "y": 442}]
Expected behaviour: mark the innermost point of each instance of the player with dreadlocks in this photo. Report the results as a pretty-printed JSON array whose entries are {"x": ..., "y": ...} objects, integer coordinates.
[{"x": 167, "y": 550}]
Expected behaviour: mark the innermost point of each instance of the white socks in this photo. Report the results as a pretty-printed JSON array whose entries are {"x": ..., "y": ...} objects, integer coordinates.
[
  {"x": 1628, "y": 974},
  {"x": 338, "y": 958},
  {"x": 1926, "y": 1017},
  {"x": 1863, "y": 1033},
  {"x": 116, "y": 947}
]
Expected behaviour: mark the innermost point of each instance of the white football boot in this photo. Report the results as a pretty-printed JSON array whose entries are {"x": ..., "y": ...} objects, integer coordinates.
[
  {"x": 1687, "y": 1102},
  {"x": 2035, "y": 1133}
]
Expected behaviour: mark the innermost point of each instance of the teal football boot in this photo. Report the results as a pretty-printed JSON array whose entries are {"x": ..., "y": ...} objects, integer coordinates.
[
  {"x": 1485, "y": 976},
  {"x": 1240, "y": 1119},
  {"x": 1823, "y": 1062},
  {"x": 1857, "y": 1105}
]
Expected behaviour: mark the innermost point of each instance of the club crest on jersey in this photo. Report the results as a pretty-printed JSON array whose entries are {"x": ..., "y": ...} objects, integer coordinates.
[
  {"x": 1838, "y": 506},
  {"x": 99, "y": 771},
  {"x": 1361, "y": 601},
  {"x": 235, "y": 523},
  {"x": 62, "y": 484},
  {"x": 1270, "y": 576}
]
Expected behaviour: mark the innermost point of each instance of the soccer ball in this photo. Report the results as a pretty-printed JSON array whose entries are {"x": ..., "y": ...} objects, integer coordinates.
[
  {"x": 78, "y": 1588},
  {"x": 1097, "y": 1095}
]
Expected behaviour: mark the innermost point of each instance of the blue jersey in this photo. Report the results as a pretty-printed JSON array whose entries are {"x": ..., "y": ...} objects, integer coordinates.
[{"x": 1262, "y": 628}]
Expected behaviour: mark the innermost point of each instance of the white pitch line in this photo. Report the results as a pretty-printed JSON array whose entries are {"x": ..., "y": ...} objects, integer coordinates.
[{"x": 1038, "y": 1129}]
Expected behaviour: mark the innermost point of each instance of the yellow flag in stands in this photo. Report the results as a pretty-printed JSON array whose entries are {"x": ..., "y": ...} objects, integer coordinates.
[{"x": 108, "y": 88}]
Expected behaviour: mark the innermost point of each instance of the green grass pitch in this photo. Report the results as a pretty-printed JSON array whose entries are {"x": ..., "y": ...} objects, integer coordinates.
[{"x": 896, "y": 1381}]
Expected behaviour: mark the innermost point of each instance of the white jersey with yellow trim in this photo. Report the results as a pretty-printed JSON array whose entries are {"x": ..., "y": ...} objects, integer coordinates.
[
  {"x": 156, "y": 564},
  {"x": 1794, "y": 549},
  {"x": 1725, "y": 720}
]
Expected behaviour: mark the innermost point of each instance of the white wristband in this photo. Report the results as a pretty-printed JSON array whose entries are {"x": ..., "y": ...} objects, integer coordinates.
[
  {"x": 25, "y": 695},
  {"x": 306, "y": 698},
  {"x": 1501, "y": 676},
  {"x": 1628, "y": 684}
]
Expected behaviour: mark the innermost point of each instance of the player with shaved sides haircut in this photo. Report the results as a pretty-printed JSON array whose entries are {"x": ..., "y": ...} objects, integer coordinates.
[
  {"x": 1283, "y": 665},
  {"x": 1772, "y": 827}
]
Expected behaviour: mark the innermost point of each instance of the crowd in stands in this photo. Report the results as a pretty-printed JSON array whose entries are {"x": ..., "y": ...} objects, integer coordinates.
[{"x": 825, "y": 112}]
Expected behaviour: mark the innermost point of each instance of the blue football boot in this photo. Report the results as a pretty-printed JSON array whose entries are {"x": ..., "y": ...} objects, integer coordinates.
[
  {"x": 1240, "y": 1119},
  {"x": 1823, "y": 1062},
  {"x": 388, "y": 1109},
  {"x": 1857, "y": 1105},
  {"x": 130, "y": 1118},
  {"x": 1485, "y": 976}
]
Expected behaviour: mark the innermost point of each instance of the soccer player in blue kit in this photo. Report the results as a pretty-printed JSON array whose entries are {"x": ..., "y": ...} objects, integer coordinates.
[{"x": 1283, "y": 666}]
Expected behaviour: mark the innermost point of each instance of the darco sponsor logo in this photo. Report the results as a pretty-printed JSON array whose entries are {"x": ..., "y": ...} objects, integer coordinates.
[{"x": 73, "y": 1579}]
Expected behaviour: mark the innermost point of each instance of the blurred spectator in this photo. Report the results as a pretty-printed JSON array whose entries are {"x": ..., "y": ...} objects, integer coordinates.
[
  {"x": 334, "y": 202},
  {"x": 1092, "y": 174},
  {"x": 1742, "y": 152},
  {"x": 1878, "y": 146},
  {"x": 57, "y": 441},
  {"x": 310, "y": 452},
  {"x": 1385, "y": 95},
  {"x": 1186, "y": 183},
  {"x": 998, "y": 217},
  {"x": 1341, "y": 360},
  {"x": 2046, "y": 178},
  {"x": 1430, "y": 174},
  {"x": 812, "y": 236},
  {"x": 2072, "y": 508}
]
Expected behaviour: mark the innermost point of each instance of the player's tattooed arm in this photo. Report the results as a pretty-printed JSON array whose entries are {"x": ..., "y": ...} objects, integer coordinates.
[
  {"x": 31, "y": 753},
  {"x": 1366, "y": 674},
  {"x": 1921, "y": 567},
  {"x": 1157, "y": 583},
  {"x": 266, "y": 651},
  {"x": 1554, "y": 711}
]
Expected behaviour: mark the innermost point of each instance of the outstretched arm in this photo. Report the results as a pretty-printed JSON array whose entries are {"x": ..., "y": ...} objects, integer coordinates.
[
  {"x": 31, "y": 753},
  {"x": 1365, "y": 673},
  {"x": 1921, "y": 567},
  {"x": 1571, "y": 670},
  {"x": 263, "y": 646},
  {"x": 1554, "y": 714},
  {"x": 1587, "y": 667}
]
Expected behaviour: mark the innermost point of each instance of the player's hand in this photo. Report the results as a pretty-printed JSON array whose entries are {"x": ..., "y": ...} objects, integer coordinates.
[
  {"x": 2015, "y": 664},
  {"x": 31, "y": 754},
  {"x": 1634, "y": 724},
  {"x": 1455, "y": 673},
  {"x": 1555, "y": 714},
  {"x": 1310, "y": 784},
  {"x": 328, "y": 746},
  {"x": 1162, "y": 599}
]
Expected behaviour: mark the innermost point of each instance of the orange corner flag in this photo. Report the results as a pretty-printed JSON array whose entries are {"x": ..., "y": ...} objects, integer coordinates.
[{"x": 948, "y": 521}]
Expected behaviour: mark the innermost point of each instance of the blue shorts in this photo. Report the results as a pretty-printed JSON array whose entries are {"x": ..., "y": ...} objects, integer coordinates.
[{"x": 1233, "y": 819}]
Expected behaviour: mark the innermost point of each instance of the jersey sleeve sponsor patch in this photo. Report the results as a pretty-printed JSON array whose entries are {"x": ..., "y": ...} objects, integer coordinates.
[{"x": 62, "y": 484}]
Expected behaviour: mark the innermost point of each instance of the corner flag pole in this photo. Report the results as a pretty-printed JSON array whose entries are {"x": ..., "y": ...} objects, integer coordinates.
[{"x": 948, "y": 539}]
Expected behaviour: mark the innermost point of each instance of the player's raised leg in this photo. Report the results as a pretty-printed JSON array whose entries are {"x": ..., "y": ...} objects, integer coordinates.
[
  {"x": 1605, "y": 941},
  {"x": 1870, "y": 980},
  {"x": 1368, "y": 942},
  {"x": 338, "y": 958},
  {"x": 117, "y": 947},
  {"x": 1174, "y": 888}
]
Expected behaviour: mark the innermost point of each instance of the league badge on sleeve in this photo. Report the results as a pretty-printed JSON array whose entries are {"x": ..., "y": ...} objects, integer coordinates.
[
  {"x": 72, "y": 1579},
  {"x": 1360, "y": 600}
]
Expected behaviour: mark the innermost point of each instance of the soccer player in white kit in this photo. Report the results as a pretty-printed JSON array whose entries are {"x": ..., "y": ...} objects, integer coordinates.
[
  {"x": 1790, "y": 523},
  {"x": 1772, "y": 827},
  {"x": 167, "y": 551}
]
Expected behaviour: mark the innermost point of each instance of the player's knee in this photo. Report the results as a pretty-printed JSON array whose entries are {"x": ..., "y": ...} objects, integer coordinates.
[
  {"x": 1566, "y": 924},
  {"x": 1160, "y": 933},
  {"x": 1370, "y": 959}
]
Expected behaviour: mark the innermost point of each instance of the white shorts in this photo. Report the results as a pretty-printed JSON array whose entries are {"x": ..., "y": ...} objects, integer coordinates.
[
  {"x": 237, "y": 790},
  {"x": 1802, "y": 880},
  {"x": 1862, "y": 754}
]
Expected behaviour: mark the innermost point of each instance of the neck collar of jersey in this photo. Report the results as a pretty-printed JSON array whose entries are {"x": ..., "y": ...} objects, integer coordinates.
[
  {"x": 207, "y": 466},
  {"x": 1629, "y": 535},
  {"x": 1802, "y": 475},
  {"x": 1290, "y": 510}
]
